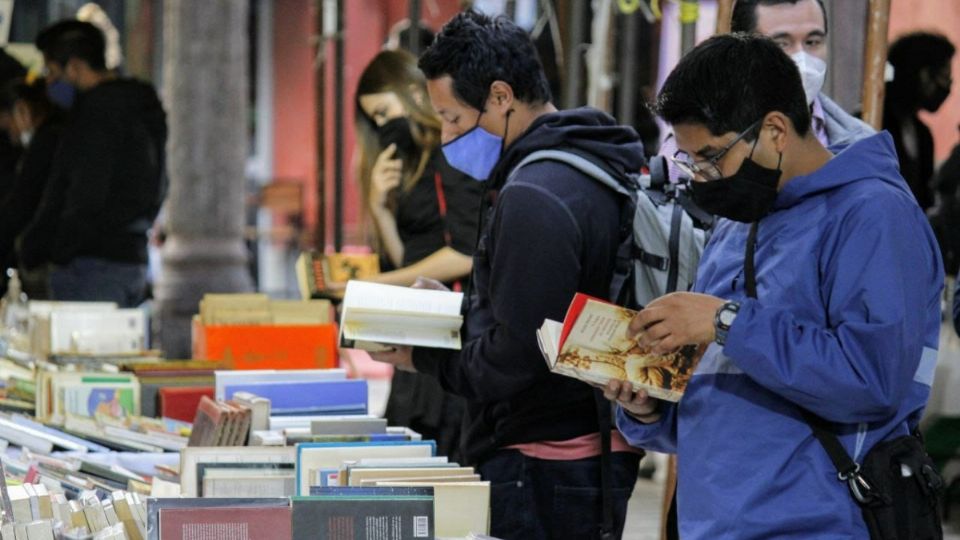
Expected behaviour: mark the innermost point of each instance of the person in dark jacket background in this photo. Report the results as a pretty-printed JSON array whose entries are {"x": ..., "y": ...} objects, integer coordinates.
[
  {"x": 921, "y": 81},
  {"x": 37, "y": 124},
  {"x": 107, "y": 180},
  {"x": 550, "y": 232}
]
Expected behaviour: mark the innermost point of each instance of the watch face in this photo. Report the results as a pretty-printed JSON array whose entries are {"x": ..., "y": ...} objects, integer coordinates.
[{"x": 727, "y": 316}]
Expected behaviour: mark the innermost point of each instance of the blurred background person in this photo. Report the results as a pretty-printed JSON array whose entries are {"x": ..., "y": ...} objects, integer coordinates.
[
  {"x": 107, "y": 181},
  {"x": 36, "y": 125},
  {"x": 424, "y": 215},
  {"x": 10, "y": 69},
  {"x": 921, "y": 81},
  {"x": 800, "y": 28}
]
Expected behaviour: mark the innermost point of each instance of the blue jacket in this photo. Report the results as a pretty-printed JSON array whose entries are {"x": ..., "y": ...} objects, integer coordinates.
[{"x": 846, "y": 325}]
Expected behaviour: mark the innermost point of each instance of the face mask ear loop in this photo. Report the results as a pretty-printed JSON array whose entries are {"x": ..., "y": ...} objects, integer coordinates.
[
  {"x": 506, "y": 128},
  {"x": 755, "y": 141}
]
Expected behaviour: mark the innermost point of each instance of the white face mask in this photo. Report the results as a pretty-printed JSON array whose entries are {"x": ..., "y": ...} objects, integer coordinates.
[
  {"x": 25, "y": 137},
  {"x": 812, "y": 72}
]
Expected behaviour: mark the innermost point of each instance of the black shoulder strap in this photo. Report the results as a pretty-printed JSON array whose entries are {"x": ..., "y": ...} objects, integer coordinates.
[
  {"x": 605, "y": 423},
  {"x": 846, "y": 467}
]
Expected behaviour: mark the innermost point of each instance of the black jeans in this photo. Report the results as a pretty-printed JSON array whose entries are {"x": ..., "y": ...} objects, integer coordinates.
[{"x": 538, "y": 499}]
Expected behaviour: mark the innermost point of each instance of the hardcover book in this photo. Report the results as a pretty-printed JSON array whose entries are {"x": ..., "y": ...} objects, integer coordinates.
[{"x": 352, "y": 513}]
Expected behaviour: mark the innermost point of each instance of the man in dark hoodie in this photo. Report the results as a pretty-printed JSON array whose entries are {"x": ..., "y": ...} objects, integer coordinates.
[
  {"x": 107, "y": 179},
  {"x": 548, "y": 232}
]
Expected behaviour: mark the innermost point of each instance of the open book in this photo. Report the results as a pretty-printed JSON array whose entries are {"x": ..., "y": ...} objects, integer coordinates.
[
  {"x": 591, "y": 344},
  {"x": 375, "y": 314}
]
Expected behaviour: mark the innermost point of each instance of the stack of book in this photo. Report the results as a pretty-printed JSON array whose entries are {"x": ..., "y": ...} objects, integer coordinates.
[
  {"x": 251, "y": 331},
  {"x": 220, "y": 423},
  {"x": 36, "y": 514}
]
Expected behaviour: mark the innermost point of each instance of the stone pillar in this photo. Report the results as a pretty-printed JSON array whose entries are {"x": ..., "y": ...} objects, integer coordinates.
[{"x": 205, "y": 50}]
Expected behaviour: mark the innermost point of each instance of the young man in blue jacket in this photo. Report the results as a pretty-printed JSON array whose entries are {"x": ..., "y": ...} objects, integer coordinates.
[
  {"x": 844, "y": 324},
  {"x": 548, "y": 231}
]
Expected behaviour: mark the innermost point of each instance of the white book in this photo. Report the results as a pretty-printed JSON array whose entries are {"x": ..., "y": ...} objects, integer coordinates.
[
  {"x": 24, "y": 437},
  {"x": 44, "y": 502},
  {"x": 34, "y": 501},
  {"x": 267, "y": 438},
  {"x": 40, "y": 530},
  {"x": 20, "y": 501},
  {"x": 460, "y": 508},
  {"x": 377, "y": 316},
  {"x": 259, "y": 409},
  {"x": 278, "y": 423},
  {"x": 116, "y": 331}
]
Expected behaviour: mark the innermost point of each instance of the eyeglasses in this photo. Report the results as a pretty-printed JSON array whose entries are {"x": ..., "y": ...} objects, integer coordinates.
[{"x": 707, "y": 168}]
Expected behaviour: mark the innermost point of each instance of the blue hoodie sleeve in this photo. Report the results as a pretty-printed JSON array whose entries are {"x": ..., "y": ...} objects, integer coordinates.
[
  {"x": 534, "y": 260},
  {"x": 660, "y": 436},
  {"x": 879, "y": 278}
]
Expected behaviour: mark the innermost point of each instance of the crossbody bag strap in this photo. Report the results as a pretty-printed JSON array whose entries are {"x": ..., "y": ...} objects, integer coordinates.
[{"x": 847, "y": 469}]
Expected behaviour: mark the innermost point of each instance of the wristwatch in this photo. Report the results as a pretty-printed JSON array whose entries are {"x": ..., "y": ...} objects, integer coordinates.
[{"x": 724, "y": 320}]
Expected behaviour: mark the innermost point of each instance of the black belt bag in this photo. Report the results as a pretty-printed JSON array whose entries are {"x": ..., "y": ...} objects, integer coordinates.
[{"x": 897, "y": 486}]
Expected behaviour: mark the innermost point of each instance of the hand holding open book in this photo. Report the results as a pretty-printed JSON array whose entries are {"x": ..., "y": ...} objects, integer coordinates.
[
  {"x": 591, "y": 344},
  {"x": 377, "y": 317}
]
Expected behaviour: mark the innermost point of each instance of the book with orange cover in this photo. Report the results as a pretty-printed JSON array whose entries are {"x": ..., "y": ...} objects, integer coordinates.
[{"x": 591, "y": 344}]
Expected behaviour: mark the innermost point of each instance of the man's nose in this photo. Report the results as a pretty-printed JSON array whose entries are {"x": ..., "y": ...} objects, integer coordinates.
[{"x": 448, "y": 133}]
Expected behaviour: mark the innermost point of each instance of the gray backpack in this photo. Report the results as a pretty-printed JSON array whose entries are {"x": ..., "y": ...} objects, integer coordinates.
[{"x": 669, "y": 231}]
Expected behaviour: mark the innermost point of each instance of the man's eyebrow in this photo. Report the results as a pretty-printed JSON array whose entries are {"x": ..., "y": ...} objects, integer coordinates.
[
  {"x": 780, "y": 35},
  {"x": 817, "y": 33}
]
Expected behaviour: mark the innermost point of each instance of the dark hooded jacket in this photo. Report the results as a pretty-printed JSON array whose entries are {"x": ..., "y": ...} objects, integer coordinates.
[
  {"x": 548, "y": 233},
  {"x": 107, "y": 180}
]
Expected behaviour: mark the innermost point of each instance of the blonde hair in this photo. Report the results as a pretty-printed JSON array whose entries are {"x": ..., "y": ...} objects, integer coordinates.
[{"x": 397, "y": 72}]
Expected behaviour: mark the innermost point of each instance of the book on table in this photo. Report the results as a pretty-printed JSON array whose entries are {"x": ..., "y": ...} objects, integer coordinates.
[
  {"x": 376, "y": 317},
  {"x": 398, "y": 513},
  {"x": 591, "y": 344}
]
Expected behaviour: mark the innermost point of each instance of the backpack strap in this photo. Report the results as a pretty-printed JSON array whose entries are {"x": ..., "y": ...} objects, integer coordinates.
[
  {"x": 576, "y": 161},
  {"x": 620, "y": 292}
]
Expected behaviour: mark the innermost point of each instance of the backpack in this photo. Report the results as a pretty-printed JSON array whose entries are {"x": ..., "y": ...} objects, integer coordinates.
[{"x": 668, "y": 230}]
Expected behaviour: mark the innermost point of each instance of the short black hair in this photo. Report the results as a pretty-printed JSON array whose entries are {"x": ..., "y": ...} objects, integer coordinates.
[
  {"x": 914, "y": 52},
  {"x": 475, "y": 50},
  {"x": 744, "y": 17},
  {"x": 71, "y": 38},
  {"x": 731, "y": 81}
]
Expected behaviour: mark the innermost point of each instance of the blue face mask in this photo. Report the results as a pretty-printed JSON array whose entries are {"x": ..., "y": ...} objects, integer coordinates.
[
  {"x": 475, "y": 153},
  {"x": 62, "y": 93}
]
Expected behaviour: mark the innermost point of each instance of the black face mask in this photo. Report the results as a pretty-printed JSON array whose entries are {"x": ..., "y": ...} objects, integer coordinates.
[
  {"x": 747, "y": 196},
  {"x": 397, "y": 131},
  {"x": 933, "y": 100}
]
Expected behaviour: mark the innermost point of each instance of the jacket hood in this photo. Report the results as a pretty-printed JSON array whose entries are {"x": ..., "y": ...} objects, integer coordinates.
[
  {"x": 589, "y": 132},
  {"x": 873, "y": 158}
]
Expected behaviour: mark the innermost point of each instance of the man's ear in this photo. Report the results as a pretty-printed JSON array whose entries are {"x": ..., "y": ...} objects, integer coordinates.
[
  {"x": 501, "y": 97},
  {"x": 777, "y": 126}
]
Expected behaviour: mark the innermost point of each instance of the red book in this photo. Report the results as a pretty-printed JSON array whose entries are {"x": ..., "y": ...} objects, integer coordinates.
[
  {"x": 261, "y": 523},
  {"x": 180, "y": 403}
]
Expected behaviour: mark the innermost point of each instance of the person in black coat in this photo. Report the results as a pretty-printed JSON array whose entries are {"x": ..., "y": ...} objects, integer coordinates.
[
  {"x": 107, "y": 180},
  {"x": 921, "y": 81},
  {"x": 37, "y": 124}
]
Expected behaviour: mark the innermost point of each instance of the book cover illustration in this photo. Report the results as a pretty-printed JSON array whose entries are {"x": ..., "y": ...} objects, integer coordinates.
[{"x": 592, "y": 345}]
